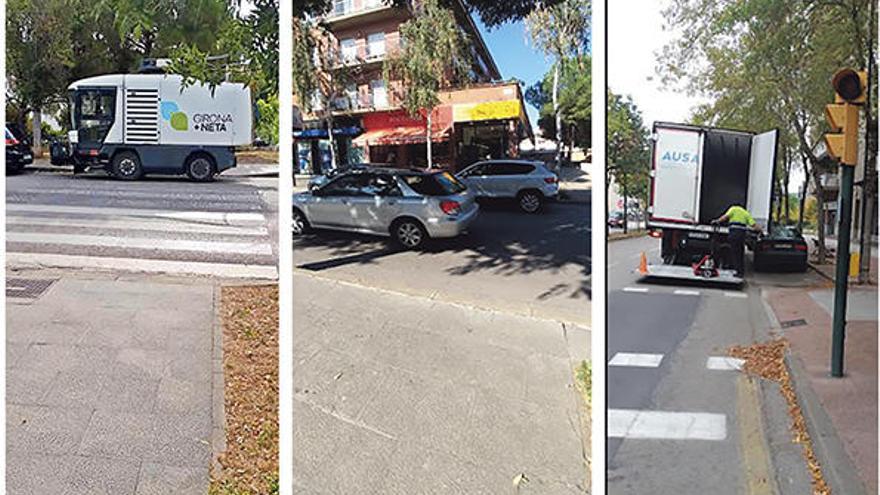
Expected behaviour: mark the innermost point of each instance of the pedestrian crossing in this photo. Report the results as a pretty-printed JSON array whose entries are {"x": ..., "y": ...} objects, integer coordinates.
[
  {"x": 208, "y": 243},
  {"x": 667, "y": 425}
]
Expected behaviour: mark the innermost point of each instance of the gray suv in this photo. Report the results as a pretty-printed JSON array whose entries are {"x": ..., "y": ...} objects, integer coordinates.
[
  {"x": 408, "y": 205},
  {"x": 531, "y": 183}
]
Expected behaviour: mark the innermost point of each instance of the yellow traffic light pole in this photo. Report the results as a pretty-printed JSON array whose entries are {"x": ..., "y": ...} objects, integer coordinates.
[{"x": 842, "y": 144}]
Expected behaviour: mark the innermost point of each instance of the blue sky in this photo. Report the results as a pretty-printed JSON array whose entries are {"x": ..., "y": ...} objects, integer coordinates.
[{"x": 515, "y": 56}]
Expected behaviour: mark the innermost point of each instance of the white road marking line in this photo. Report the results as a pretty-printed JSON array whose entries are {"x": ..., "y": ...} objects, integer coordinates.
[
  {"x": 682, "y": 292},
  {"x": 739, "y": 295},
  {"x": 140, "y": 224},
  {"x": 223, "y": 270},
  {"x": 635, "y": 289},
  {"x": 253, "y": 248},
  {"x": 209, "y": 216},
  {"x": 636, "y": 360},
  {"x": 724, "y": 363},
  {"x": 662, "y": 425}
]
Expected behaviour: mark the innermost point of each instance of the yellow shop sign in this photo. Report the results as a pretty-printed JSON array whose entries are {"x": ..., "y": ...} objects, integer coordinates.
[{"x": 490, "y": 110}]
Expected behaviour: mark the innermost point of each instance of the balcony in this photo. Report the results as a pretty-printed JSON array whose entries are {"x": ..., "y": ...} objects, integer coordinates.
[
  {"x": 830, "y": 181},
  {"x": 346, "y": 13}
]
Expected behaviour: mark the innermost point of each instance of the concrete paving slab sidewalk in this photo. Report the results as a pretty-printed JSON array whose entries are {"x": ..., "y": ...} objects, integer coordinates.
[
  {"x": 846, "y": 410},
  {"x": 402, "y": 394},
  {"x": 110, "y": 387}
]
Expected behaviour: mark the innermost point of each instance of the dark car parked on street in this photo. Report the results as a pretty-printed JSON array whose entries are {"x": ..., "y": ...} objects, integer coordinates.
[
  {"x": 782, "y": 249},
  {"x": 18, "y": 150}
]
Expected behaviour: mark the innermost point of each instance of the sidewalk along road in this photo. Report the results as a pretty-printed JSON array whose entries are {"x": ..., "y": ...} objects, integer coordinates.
[
  {"x": 157, "y": 225},
  {"x": 109, "y": 386},
  {"x": 682, "y": 418},
  {"x": 535, "y": 265},
  {"x": 843, "y": 415},
  {"x": 403, "y": 394}
]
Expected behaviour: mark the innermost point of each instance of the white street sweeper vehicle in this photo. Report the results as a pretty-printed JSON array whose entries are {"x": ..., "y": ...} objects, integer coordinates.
[
  {"x": 697, "y": 173},
  {"x": 137, "y": 124}
]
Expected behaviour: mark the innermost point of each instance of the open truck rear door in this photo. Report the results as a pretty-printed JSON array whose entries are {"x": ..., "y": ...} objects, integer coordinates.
[{"x": 761, "y": 166}]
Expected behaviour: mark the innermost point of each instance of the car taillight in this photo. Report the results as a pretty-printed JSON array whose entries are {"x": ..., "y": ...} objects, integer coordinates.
[
  {"x": 11, "y": 141},
  {"x": 450, "y": 207},
  {"x": 800, "y": 247},
  {"x": 551, "y": 180},
  {"x": 656, "y": 234}
]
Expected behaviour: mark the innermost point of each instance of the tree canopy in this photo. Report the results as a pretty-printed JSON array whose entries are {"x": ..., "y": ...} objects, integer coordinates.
[
  {"x": 628, "y": 147},
  {"x": 575, "y": 102}
]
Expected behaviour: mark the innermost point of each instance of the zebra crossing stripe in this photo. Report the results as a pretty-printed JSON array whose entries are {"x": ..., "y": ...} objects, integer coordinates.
[
  {"x": 143, "y": 224},
  {"x": 207, "y": 216},
  {"x": 682, "y": 292},
  {"x": 636, "y": 360},
  {"x": 724, "y": 363},
  {"x": 253, "y": 248},
  {"x": 635, "y": 289},
  {"x": 663, "y": 425}
]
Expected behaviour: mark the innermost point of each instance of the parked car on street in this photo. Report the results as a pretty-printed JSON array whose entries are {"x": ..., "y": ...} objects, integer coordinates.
[
  {"x": 615, "y": 220},
  {"x": 531, "y": 183},
  {"x": 411, "y": 206},
  {"x": 783, "y": 248},
  {"x": 18, "y": 150}
]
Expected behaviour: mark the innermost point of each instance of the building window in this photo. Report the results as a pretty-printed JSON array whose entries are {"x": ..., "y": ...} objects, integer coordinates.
[
  {"x": 351, "y": 93},
  {"x": 379, "y": 94},
  {"x": 348, "y": 48},
  {"x": 373, "y": 3},
  {"x": 376, "y": 45},
  {"x": 317, "y": 101},
  {"x": 342, "y": 7}
]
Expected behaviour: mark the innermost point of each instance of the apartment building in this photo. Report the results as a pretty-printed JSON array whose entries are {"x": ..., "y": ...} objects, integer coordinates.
[{"x": 486, "y": 118}]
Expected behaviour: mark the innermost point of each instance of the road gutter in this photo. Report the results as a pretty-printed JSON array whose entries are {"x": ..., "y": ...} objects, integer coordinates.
[{"x": 754, "y": 446}]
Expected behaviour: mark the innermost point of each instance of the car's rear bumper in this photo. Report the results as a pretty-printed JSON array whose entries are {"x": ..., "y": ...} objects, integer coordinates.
[
  {"x": 769, "y": 260},
  {"x": 451, "y": 226}
]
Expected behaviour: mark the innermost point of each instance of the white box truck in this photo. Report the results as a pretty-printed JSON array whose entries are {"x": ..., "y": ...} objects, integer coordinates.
[
  {"x": 697, "y": 173},
  {"x": 136, "y": 124}
]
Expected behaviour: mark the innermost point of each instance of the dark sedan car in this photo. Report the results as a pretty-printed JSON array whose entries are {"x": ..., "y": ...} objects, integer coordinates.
[
  {"x": 783, "y": 249},
  {"x": 18, "y": 152}
]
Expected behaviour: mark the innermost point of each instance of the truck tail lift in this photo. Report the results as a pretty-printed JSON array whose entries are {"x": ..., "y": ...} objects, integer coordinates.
[{"x": 706, "y": 270}]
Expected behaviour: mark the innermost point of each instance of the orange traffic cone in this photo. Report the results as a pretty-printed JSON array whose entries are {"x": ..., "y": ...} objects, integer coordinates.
[{"x": 643, "y": 264}]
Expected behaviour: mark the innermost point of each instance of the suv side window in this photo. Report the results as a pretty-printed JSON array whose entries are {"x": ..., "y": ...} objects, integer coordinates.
[
  {"x": 509, "y": 168},
  {"x": 380, "y": 185},
  {"x": 476, "y": 170}
]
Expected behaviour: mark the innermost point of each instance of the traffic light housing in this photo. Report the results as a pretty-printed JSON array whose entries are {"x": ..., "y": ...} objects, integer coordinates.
[
  {"x": 850, "y": 91},
  {"x": 850, "y": 86}
]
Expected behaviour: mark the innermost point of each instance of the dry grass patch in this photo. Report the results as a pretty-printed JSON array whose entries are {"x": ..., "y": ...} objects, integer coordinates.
[
  {"x": 249, "y": 466},
  {"x": 256, "y": 156}
]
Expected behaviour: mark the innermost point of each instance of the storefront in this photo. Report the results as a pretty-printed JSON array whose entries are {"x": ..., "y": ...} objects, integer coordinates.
[
  {"x": 398, "y": 139},
  {"x": 311, "y": 147}
]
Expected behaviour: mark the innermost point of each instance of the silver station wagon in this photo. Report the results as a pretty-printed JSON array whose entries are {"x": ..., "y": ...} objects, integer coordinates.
[{"x": 411, "y": 206}]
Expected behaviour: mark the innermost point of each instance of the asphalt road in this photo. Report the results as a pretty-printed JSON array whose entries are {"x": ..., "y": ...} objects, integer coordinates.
[
  {"x": 160, "y": 224},
  {"x": 676, "y": 423},
  {"x": 534, "y": 265}
]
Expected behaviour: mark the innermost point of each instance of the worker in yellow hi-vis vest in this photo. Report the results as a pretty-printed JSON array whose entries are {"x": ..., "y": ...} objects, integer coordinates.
[{"x": 738, "y": 220}]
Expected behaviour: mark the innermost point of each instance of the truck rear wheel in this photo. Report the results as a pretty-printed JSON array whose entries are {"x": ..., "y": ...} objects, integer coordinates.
[
  {"x": 127, "y": 166},
  {"x": 200, "y": 168}
]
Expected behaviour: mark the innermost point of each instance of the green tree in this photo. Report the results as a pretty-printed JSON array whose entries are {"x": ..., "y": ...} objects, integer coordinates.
[
  {"x": 563, "y": 33},
  {"x": 435, "y": 54},
  {"x": 629, "y": 151},
  {"x": 767, "y": 63},
  {"x": 575, "y": 102},
  {"x": 39, "y": 57}
]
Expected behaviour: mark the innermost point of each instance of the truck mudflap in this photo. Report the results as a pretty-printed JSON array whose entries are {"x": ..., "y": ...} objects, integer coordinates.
[{"x": 680, "y": 272}]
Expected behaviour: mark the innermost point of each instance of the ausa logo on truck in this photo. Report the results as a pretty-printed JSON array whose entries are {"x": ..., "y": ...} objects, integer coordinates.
[{"x": 680, "y": 158}]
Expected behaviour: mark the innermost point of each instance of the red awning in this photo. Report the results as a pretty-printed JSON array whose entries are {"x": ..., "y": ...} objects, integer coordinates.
[{"x": 397, "y": 127}]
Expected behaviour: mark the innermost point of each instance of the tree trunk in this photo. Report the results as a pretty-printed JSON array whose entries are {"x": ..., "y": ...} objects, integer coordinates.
[
  {"x": 803, "y": 198},
  {"x": 820, "y": 214},
  {"x": 866, "y": 235},
  {"x": 558, "y": 115},
  {"x": 785, "y": 184},
  {"x": 428, "y": 142},
  {"x": 38, "y": 132},
  {"x": 625, "y": 209}
]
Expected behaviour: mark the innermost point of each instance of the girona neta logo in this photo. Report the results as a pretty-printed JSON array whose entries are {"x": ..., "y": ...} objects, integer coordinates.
[{"x": 171, "y": 113}]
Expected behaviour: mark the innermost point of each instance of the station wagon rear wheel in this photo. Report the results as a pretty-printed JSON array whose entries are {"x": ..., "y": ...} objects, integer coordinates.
[
  {"x": 409, "y": 234},
  {"x": 530, "y": 201}
]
